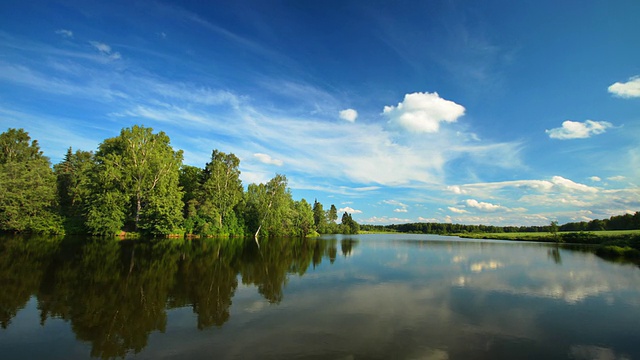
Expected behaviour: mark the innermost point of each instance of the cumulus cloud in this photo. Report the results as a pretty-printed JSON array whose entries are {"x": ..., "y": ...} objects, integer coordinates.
[
  {"x": 266, "y": 159},
  {"x": 105, "y": 50},
  {"x": 423, "y": 112},
  {"x": 595, "y": 178},
  {"x": 628, "y": 89},
  {"x": 616, "y": 178},
  {"x": 64, "y": 33},
  {"x": 578, "y": 130},
  {"x": 349, "y": 210},
  {"x": 349, "y": 115}
]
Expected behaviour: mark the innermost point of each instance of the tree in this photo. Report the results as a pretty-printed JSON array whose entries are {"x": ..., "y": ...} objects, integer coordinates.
[
  {"x": 72, "y": 177},
  {"x": 27, "y": 186},
  {"x": 221, "y": 190},
  {"x": 190, "y": 180},
  {"x": 319, "y": 217},
  {"x": 268, "y": 207},
  {"x": 349, "y": 226},
  {"x": 332, "y": 214},
  {"x": 553, "y": 229},
  {"x": 304, "y": 218},
  {"x": 135, "y": 184}
]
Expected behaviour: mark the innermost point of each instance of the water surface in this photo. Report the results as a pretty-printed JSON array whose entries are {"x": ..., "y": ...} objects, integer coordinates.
[{"x": 338, "y": 297}]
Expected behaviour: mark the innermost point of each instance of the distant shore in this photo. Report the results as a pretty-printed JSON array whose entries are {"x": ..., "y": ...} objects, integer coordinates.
[{"x": 613, "y": 243}]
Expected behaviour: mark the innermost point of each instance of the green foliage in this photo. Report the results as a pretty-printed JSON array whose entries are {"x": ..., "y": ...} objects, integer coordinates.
[
  {"x": 27, "y": 186},
  {"x": 304, "y": 222},
  {"x": 348, "y": 225},
  {"x": 72, "y": 177},
  {"x": 216, "y": 191},
  {"x": 270, "y": 211},
  {"x": 319, "y": 217},
  {"x": 332, "y": 214},
  {"x": 135, "y": 184}
]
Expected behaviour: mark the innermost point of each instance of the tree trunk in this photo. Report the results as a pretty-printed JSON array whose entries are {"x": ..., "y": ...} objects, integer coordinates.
[{"x": 138, "y": 210}]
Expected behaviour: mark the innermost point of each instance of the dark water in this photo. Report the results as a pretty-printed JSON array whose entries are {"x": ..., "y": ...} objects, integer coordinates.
[{"x": 358, "y": 297}]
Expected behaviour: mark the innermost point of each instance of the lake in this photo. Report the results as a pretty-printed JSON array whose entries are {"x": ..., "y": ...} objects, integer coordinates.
[{"x": 386, "y": 296}]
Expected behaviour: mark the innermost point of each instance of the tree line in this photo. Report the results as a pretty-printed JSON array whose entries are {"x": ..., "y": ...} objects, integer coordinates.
[
  {"x": 617, "y": 222},
  {"x": 137, "y": 183}
]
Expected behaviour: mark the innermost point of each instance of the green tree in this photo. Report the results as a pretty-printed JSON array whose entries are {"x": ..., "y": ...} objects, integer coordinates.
[
  {"x": 135, "y": 184},
  {"x": 304, "y": 218},
  {"x": 221, "y": 191},
  {"x": 319, "y": 217},
  {"x": 349, "y": 226},
  {"x": 268, "y": 207},
  {"x": 190, "y": 180},
  {"x": 27, "y": 186},
  {"x": 332, "y": 214},
  {"x": 72, "y": 177}
]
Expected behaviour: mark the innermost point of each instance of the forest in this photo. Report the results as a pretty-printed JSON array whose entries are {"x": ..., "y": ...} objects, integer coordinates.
[
  {"x": 136, "y": 184},
  {"x": 617, "y": 222}
]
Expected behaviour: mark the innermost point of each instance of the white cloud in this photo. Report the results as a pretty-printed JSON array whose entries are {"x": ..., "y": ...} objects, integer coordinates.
[
  {"x": 266, "y": 159},
  {"x": 385, "y": 220},
  {"x": 616, "y": 178},
  {"x": 482, "y": 206},
  {"x": 105, "y": 50},
  {"x": 65, "y": 33},
  {"x": 595, "y": 178},
  {"x": 424, "y": 219},
  {"x": 402, "y": 208},
  {"x": 578, "y": 130},
  {"x": 349, "y": 115},
  {"x": 349, "y": 210},
  {"x": 102, "y": 47},
  {"x": 423, "y": 112},
  {"x": 456, "y": 189},
  {"x": 561, "y": 183},
  {"x": 457, "y": 210},
  {"x": 629, "y": 89}
]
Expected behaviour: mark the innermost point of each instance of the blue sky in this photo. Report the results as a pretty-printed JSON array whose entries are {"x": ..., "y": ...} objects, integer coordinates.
[{"x": 475, "y": 112}]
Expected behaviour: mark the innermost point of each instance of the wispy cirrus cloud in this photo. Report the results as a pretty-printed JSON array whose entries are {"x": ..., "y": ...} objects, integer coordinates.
[
  {"x": 266, "y": 159},
  {"x": 578, "y": 130},
  {"x": 65, "y": 33},
  {"x": 457, "y": 210},
  {"x": 629, "y": 89},
  {"x": 399, "y": 207},
  {"x": 105, "y": 50}
]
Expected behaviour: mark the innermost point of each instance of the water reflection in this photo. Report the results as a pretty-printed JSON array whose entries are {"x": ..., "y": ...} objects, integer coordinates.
[
  {"x": 340, "y": 297},
  {"x": 114, "y": 294}
]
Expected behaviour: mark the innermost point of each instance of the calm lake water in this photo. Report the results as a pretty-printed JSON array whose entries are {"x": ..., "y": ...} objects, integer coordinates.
[{"x": 341, "y": 297}]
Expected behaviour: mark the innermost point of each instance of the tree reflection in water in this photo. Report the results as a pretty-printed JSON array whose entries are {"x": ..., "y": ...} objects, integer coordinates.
[{"x": 115, "y": 293}]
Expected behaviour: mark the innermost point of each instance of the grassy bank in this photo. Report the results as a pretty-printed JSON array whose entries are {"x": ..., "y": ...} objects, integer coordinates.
[
  {"x": 611, "y": 244},
  {"x": 586, "y": 237}
]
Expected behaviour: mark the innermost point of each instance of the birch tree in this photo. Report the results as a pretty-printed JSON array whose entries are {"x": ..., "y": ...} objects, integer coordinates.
[{"x": 135, "y": 184}]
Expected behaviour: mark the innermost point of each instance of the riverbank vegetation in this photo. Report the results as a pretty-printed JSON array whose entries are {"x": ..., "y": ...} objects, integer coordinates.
[
  {"x": 616, "y": 237},
  {"x": 135, "y": 184}
]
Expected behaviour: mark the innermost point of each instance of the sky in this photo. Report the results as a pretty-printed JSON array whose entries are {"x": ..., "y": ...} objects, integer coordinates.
[{"x": 471, "y": 112}]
